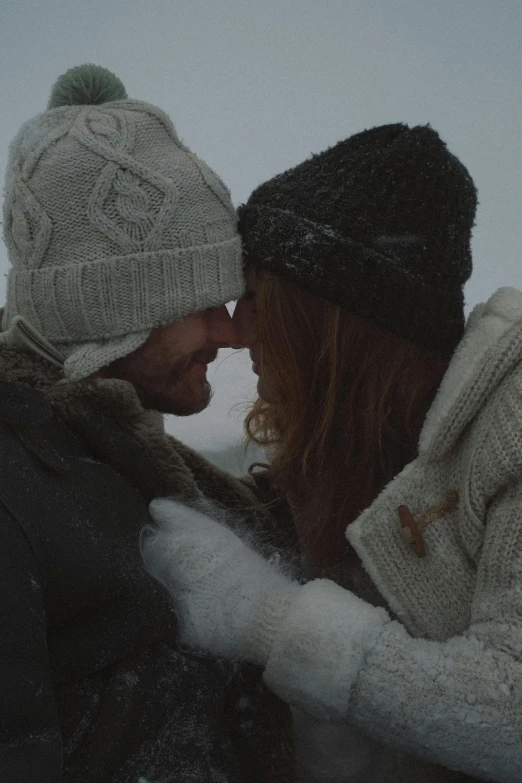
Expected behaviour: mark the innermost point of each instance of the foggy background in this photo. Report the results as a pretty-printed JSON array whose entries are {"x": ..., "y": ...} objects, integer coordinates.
[{"x": 256, "y": 86}]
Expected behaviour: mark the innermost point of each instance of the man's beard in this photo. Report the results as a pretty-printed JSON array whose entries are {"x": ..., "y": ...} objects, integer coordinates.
[
  {"x": 180, "y": 403},
  {"x": 171, "y": 391}
]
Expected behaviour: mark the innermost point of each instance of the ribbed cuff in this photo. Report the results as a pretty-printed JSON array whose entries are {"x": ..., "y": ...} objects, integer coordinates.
[
  {"x": 272, "y": 607},
  {"x": 106, "y": 298},
  {"x": 320, "y": 646}
]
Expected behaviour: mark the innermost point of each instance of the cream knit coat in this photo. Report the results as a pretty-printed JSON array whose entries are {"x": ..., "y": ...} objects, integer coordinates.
[{"x": 443, "y": 680}]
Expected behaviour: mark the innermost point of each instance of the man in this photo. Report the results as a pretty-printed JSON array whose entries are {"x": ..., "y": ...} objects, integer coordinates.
[{"x": 124, "y": 251}]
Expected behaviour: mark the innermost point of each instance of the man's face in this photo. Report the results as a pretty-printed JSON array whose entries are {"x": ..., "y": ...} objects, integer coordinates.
[{"x": 169, "y": 371}]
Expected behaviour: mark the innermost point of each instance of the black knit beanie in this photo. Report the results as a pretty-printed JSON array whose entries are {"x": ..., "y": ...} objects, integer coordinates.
[{"x": 379, "y": 224}]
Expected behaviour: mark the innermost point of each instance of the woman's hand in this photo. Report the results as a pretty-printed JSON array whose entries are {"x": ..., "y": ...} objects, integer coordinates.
[{"x": 228, "y": 599}]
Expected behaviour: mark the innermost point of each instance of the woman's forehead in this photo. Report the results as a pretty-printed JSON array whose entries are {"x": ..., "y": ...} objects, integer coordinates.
[{"x": 251, "y": 277}]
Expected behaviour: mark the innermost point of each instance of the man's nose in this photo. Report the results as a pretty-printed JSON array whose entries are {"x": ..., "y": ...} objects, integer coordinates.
[
  {"x": 221, "y": 328},
  {"x": 244, "y": 324}
]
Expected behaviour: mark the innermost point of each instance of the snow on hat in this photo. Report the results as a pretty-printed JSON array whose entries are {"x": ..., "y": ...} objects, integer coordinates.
[
  {"x": 112, "y": 224},
  {"x": 379, "y": 224}
]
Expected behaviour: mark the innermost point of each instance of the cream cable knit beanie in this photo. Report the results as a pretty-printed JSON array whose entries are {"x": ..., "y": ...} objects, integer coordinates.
[{"x": 113, "y": 226}]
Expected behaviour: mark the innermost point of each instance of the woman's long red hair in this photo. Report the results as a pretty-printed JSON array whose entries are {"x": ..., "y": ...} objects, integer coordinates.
[{"x": 351, "y": 399}]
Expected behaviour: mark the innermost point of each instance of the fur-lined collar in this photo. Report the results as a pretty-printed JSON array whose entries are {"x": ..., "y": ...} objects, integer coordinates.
[
  {"x": 18, "y": 366},
  {"x": 114, "y": 398},
  {"x": 491, "y": 346},
  {"x": 183, "y": 471}
]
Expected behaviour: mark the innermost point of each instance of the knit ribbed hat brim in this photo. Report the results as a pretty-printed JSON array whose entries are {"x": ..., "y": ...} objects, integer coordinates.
[
  {"x": 270, "y": 234},
  {"x": 107, "y": 298}
]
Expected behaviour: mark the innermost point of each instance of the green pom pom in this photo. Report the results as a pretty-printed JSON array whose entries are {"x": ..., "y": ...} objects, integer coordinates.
[{"x": 86, "y": 85}]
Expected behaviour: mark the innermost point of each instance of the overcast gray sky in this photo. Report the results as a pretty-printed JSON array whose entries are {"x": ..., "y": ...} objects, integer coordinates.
[{"x": 255, "y": 86}]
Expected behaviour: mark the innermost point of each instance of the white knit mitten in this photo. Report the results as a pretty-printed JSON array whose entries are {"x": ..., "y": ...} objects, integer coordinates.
[{"x": 229, "y": 600}]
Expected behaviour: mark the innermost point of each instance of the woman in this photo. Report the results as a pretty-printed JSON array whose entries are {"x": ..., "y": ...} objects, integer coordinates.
[{"x": 397, "y": 442}]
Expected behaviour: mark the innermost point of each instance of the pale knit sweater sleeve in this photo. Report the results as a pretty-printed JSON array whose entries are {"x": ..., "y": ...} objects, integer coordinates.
[{"x": 457, "y": 702}]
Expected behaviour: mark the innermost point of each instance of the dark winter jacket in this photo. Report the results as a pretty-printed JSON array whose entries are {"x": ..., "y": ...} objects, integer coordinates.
[{"x": 93, "y": 686}]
